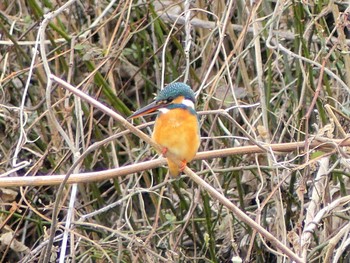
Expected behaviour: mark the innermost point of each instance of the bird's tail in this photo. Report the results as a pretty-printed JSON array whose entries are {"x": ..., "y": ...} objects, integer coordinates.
[{"x": 174, "y": 169}]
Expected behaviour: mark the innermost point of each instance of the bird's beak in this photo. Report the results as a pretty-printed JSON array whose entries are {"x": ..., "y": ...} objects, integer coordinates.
[{"x": 147, "y": 109}]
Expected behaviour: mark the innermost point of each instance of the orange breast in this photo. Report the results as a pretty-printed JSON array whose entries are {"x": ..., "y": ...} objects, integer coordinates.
[{"x": 178, "y": 131}]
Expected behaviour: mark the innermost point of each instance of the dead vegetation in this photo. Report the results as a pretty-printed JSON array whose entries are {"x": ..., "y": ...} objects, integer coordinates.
[{"x": 272, "y": 84}]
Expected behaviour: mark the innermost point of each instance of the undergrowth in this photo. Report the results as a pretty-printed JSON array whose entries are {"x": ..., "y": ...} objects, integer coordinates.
[{"x": 275, "y": 72}]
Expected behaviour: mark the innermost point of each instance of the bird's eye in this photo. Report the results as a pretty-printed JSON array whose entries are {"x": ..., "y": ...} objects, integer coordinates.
[{"x": 170, "y": 99}]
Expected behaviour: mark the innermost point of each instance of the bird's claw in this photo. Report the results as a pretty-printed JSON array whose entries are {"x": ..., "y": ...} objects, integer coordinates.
[
  {"x": 183, "y": 165},
  {"x": 164, "y": 151}
]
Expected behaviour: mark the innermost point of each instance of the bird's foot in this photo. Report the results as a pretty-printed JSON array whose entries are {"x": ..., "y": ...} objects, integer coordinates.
[
  {"x": 164, "y": 151},
  {"x": 183, "y": 165}
]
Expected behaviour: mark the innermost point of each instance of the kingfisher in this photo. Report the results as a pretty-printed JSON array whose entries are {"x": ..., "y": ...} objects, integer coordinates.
[{"x": 176, "y": 128}]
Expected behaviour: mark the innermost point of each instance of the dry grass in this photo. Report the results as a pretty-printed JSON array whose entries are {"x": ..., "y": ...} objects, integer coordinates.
[{"x": 267, "y": 74}]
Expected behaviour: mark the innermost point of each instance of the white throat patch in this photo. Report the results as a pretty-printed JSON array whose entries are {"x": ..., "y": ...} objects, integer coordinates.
[{"x": 163, "y": 110}]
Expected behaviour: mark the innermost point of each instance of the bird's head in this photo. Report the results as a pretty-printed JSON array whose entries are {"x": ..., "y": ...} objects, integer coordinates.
[{"x": 175, "y": 95}]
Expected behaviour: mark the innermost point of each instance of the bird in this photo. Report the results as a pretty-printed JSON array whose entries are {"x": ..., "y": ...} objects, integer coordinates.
[{"x": 176, "y": 128}]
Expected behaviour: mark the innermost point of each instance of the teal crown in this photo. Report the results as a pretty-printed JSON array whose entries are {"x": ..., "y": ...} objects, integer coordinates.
[{"x": 175, "y": 90}]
